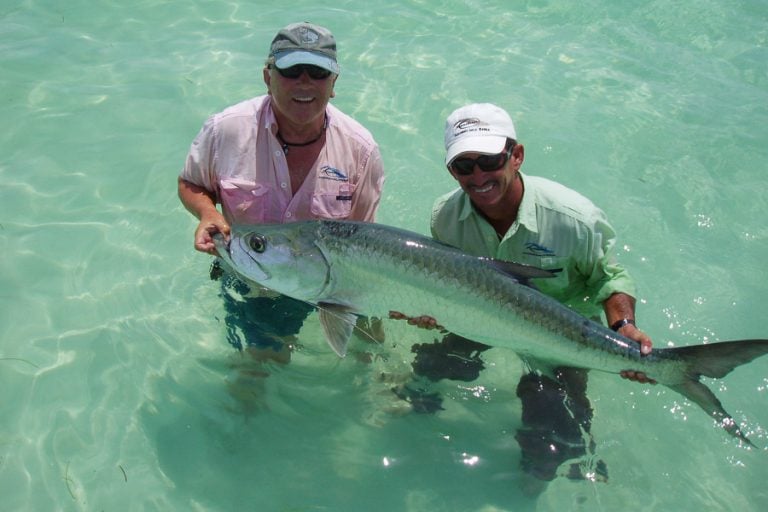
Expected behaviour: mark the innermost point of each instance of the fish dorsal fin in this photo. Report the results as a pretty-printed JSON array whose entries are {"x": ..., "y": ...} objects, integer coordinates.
[
  {"x": 337, "y": 322},
  {"x": 519, "y": 271}
]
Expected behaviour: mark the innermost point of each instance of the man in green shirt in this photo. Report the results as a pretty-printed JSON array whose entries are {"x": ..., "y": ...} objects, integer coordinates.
[{"x": 502, "y": 213}]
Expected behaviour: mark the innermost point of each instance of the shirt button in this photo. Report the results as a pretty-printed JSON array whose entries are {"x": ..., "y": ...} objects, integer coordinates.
[
  {"x": 283, "y": 185},
  {"x": 278, "y": 153},
  {"x": 288, "y": 215}
]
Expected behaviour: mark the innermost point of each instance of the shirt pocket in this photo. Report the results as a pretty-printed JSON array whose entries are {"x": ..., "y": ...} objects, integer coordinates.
[
  {"x": 246, "y": 201},
  {"x": 333, "y": 204}
]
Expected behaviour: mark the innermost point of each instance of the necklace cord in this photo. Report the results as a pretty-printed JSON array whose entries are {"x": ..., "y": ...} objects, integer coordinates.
[{"x": 287, "y": 145}]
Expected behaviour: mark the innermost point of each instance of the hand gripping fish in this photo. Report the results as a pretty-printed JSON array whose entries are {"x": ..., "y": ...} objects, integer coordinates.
[{"x": 351, "y": 268}]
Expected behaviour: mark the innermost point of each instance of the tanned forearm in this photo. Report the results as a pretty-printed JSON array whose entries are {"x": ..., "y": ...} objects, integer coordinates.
[
  {"x": 619, "y": 306},
  {"x": 202, "y": 204},
  {"x": 197, "y": 200}
]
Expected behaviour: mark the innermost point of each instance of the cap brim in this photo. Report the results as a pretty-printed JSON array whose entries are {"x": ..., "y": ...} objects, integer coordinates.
[
  {"x": 486, "y": 145},
  {"x": 294, "y": 57}
]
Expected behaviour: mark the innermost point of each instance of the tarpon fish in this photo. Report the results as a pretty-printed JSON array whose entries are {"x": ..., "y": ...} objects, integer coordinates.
[{"x": 349, "y": 268}]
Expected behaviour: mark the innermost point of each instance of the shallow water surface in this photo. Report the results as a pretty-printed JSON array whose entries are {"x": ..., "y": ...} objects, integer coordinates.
[{"x": 120, "y": 391}]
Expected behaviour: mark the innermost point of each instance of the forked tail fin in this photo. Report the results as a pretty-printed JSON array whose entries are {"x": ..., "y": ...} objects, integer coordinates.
[{"x": 716, "y": 360}]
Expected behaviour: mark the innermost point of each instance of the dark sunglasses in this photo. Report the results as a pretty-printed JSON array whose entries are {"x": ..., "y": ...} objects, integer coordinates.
[
  {"x": 294, "y": 72},
  {"x": 486, "y": 163}
]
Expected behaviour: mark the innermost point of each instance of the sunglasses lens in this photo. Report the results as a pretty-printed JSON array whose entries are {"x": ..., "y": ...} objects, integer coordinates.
[
  {"x": 316, "y": 73},
  {"x": 292, "y": 72},
  {"x": 463, "y": 166},
  {"x": 486, "y": 163}
]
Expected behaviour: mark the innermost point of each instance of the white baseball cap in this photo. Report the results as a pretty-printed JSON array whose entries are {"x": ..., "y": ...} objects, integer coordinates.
[{"x": 477, "y": 128}]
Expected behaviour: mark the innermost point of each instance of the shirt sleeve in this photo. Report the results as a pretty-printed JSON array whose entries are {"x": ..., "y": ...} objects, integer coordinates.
[
  {"x": 605, "y": 276},
  {"x": 444, "y": 221},
  {"x": 199, "y": 166}
]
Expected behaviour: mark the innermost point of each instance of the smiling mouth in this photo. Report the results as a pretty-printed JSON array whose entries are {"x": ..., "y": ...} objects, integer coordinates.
[
  {"x": 304, "y": 99},
  {"x": 484, "y": 188}
]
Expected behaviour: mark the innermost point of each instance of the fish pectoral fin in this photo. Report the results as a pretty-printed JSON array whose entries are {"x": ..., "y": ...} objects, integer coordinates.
[
  {"x": 337, "y": 322},
  {"x": 521, "y": 272}
]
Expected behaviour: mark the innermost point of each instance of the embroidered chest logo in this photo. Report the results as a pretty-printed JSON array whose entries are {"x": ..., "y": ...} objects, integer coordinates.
[
  {"x": 534, "y": 249},
  {"x": 331, "y": 173}
]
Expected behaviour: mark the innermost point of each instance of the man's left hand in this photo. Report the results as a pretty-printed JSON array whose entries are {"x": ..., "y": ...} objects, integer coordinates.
[{"x": 633, "y": 333}]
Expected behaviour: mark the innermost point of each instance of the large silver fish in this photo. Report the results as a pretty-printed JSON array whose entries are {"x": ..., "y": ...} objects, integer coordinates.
[{"x": 350, "y": 268}]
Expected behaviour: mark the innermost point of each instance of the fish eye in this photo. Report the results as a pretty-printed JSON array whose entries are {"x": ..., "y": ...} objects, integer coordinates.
[{"x": 258, "y": 243}]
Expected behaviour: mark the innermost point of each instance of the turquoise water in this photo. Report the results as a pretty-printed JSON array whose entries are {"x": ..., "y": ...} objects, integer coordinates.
[{"x": 119, "y": 390}]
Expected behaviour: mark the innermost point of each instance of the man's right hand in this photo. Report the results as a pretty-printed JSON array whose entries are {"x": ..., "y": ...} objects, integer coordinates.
[
  {"x": 202, "y": 204},
  {"x": 210, "y": 224}
]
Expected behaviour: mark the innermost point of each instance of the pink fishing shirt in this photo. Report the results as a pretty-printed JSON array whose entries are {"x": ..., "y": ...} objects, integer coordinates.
[{"x": 238, "y": 157}]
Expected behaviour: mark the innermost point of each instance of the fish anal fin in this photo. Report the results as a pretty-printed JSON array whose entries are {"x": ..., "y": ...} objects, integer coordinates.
[
  {"x": 337, "y": 322},
  {"x": 715, "y": 360},
  {"x": 701, "y": 395}
]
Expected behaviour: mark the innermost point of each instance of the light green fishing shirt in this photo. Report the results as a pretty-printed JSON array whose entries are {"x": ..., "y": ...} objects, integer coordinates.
[{"x": 556, "y": 228}]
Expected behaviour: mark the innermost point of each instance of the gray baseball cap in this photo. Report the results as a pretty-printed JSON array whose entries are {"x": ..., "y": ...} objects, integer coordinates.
[{"x": 304, "y": 43}]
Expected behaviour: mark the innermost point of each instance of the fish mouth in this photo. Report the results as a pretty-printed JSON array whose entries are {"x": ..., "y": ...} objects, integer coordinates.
[{"x": 222, "y": 245}]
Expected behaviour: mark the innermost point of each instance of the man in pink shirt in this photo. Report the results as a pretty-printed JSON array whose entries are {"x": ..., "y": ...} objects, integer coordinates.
[{"x": 286, "y": 156}]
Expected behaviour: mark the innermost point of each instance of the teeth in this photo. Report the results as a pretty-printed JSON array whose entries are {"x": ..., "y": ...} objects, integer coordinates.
[
  {"x": 304, "y": 100},
  {"x": 485, "y": 188}
]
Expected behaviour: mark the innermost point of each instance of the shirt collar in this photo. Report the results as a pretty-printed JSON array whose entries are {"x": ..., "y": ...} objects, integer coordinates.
[
  {"x": 466, "y": 208},
  {"x": 270, "y": 123},
  {"x": 526, "y": 214}
]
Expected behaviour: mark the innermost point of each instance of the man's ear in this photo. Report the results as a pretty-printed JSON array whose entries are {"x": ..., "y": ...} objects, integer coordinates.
[
  {"x": 333, "y": 86},
  {"x": 267, "y": 78},
  {"x": 518, "y": 155}
]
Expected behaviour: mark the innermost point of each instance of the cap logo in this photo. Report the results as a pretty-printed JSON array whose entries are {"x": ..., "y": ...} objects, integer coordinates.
[
  {"x": 309, "y": 36},
  {"x": 471, "y": 124}
]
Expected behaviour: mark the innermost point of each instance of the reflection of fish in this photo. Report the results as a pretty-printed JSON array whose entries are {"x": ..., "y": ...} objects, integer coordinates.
[{"x": 350, "y": 268}]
